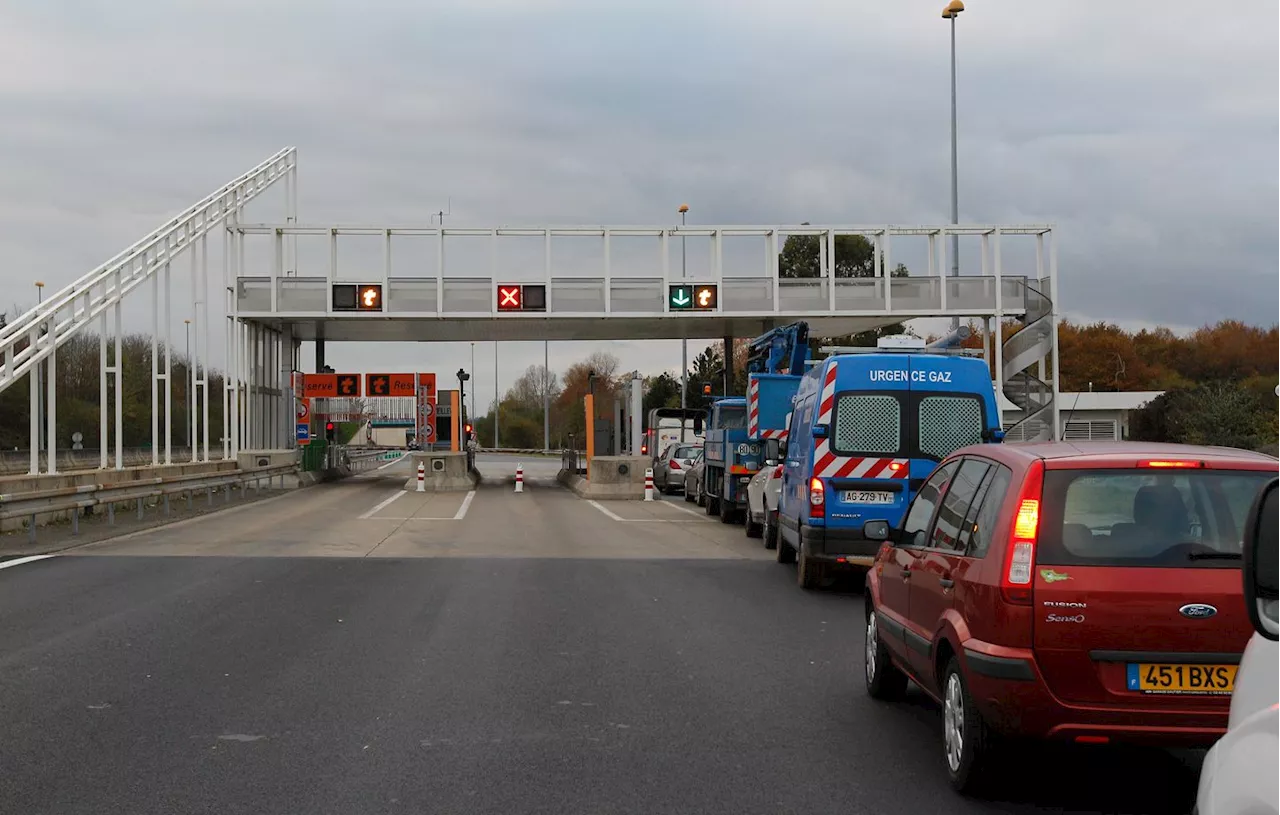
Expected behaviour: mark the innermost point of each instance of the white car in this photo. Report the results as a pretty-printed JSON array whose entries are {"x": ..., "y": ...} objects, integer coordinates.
[
  {"x": 762, "y": 497},
  {"x": 1239, "y": 774}
]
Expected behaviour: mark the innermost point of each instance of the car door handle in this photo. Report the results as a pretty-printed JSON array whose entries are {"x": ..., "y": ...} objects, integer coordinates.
[{"x": 946, "y": 582}]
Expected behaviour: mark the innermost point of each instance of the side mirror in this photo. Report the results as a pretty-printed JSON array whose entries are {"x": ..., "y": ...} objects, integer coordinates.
[
  {"x": 876, "y": 530},
  {"x": 820, "y": 431},
  {"x": 1261, "y": 559},
  {"x": 992, "y": 435}
]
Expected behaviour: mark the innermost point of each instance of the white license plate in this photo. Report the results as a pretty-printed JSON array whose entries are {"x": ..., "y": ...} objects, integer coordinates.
[{"x": 866, "y": 497}]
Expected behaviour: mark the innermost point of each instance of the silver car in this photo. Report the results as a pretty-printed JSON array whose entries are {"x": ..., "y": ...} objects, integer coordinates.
[
  {"x": 762, "y": 497},
  {"x": 693, "y": 481},
  {"x": 670, "y": 468}
]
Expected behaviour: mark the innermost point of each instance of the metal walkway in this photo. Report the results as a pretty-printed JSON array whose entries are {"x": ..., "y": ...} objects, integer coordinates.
[{"x": 271, "y": 303}]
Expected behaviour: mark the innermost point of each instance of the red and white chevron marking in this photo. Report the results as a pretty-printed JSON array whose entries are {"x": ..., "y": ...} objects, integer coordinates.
[
  {"x": 828, "y": 401},
  {"x": 829, "y": 465},
  {"x": 753, "y": 408},
  {"x": 773, "y": 434}
]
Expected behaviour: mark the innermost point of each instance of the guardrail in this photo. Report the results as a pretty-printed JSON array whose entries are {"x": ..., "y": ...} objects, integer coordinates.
[{"x": 74, "y": 499}]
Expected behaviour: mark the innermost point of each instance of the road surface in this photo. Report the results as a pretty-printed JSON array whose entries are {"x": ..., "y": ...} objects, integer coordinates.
[{"x": 341, "y": 650}]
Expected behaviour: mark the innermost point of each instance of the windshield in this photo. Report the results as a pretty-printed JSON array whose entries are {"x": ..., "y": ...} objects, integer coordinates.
[
  {"x": 1146, "y": 518},
  {"x": 731, "y": 417}
]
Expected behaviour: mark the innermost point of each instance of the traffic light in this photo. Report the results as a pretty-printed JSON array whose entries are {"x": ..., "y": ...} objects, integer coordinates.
[
  {"x": 468, "y": 429},
  {"x": 329, "y": 431},
  {"x": 357, "y": 297},
  {"x": 517, "y": 297},
  {"x": 687, "y": 297},
  {"x": 706, "y": 388}
]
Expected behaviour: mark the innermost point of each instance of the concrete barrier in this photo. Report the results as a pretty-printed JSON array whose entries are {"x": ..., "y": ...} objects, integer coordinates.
[
  {"x": 40, "y": 483},
  {"x": 613, "y": 478},
  {"x": 445, "y": 472}
]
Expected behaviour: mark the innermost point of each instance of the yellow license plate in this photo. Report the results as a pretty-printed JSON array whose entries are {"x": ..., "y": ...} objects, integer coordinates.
[{"x": 1157, "y": 677}]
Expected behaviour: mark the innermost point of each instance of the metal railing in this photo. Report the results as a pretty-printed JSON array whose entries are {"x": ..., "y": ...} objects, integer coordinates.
[
  {"x": 573, "y": 461},
  {"x": 75, "y": 499}
]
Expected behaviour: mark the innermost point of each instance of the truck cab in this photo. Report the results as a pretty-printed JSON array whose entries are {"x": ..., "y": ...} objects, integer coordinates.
[
  {"x": 730, "y": 458},
  {"x": 866, "y": 430}
]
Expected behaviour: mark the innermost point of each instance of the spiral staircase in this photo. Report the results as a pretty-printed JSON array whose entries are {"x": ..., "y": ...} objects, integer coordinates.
[{"x": 1032, "y": 343}]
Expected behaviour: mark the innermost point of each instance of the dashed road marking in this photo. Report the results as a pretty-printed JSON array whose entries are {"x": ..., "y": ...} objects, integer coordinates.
[{"x": 381, "y": 505}]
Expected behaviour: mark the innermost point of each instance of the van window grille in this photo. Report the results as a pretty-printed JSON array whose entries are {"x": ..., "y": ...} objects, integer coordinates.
[
  {"x": 948, "y": 423},
  {"x": 867, "y": 424}
]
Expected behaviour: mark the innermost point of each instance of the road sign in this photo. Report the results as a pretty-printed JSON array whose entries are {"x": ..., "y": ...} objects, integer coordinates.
[
  {"x": 304, "y": 433},
  {"x": 319, "y": 386},
  {"x": 509, "y": 298},
  {"x": 705, "y": 297},
  {"x": 394, "y": 384},
  {"x": 304, "y": 410},
  {"x": 680, "y": 296},
  {"x": 348, "y": 384},
  {"x": 357, "y": 297}
]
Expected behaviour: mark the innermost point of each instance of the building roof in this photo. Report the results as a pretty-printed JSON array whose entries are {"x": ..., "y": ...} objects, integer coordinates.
[{"x": 1093, "y": 400}]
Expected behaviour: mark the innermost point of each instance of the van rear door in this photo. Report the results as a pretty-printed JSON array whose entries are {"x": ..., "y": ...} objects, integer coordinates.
[
  {"x": 1137, "y": 589},
  {"x": 863, "y": 461}
]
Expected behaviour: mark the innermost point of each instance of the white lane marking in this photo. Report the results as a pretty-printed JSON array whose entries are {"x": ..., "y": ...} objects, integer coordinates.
[
  {"x": 19, "y": 561},
  {"x": 381, "y": 505},
  {"x": 466, "y": 504},
  {"x": 605, "y": 511},
  {"x": 621, "y": 519},
  {"x": 698, "y": 515}
]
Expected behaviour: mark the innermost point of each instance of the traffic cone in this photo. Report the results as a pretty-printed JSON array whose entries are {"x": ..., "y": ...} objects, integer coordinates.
[
  {"x": 422, "y": 477},
  {"x": 519, "y": 478},
  {"x": 648, "y": 485}
]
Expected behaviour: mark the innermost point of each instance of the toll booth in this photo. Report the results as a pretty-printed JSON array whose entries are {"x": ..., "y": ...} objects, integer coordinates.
[{"x": 444, "y": 419}]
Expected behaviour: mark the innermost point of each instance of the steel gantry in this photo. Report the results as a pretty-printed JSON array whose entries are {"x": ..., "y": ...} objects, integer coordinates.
[{"x": 271, "y": 307}]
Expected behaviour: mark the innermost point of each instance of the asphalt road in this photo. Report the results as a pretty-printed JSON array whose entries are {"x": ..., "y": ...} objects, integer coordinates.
[{"x": 538, "y": 655}]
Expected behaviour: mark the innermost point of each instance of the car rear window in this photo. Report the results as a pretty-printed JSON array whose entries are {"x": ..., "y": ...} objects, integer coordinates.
[
  {"x": 686, "y": 452},
  {"x": 1190, "y": 518},
  {"x": 867, "y": 424}
]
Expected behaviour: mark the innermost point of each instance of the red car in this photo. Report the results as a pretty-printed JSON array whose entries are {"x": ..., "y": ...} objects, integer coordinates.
[{"x": 1087, "y": 592}]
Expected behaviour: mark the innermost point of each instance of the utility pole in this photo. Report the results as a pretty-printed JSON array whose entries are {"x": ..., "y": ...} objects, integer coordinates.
[
  {"x": 951, "y": 12},
  {"x": 684, "y": 343},
  {"x": 546, "y": 398}
]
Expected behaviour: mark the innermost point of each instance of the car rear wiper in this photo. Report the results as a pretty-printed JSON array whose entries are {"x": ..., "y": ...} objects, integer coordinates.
[{"x": 1215, "y": 556}]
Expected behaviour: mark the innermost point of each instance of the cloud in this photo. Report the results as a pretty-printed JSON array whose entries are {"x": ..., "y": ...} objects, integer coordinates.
[{"x": 1148, "y": 138}]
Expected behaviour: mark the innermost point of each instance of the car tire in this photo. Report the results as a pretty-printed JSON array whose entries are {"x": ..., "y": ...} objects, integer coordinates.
[
  {"x": 753, "y": 529},
  {"x": 770, "y": 532},
  {"x": 728, "y": 512},
  {"x": 688, "y": 496},
  {"x": 967, "y": 741},
  {"x": 785, "y": 553},
  {"x": 808, "y": 571},
  {"x": 712, "y": 505},
  {"x": 884, "y": 680}
]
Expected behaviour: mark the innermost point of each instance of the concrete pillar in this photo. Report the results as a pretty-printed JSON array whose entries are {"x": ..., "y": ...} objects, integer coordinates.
[
  {"x": 728, "y": 365},
  {"x": 637, "y": 408},
  {"x": 617, "y": 425}
]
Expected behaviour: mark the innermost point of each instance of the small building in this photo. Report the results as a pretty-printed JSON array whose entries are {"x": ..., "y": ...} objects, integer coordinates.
[{"x": 1088, "y": 415}]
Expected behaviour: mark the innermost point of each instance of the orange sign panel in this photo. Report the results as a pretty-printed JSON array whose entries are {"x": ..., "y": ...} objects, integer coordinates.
[
  {"x": 396, "y": 384},
  {"x": 320, "y": 386}
]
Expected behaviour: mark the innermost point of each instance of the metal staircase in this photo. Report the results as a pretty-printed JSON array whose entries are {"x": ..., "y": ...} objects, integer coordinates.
[{"x": 1030, "y": 345}]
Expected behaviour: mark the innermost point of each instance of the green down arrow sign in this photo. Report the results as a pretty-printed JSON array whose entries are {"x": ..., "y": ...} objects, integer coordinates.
[{"x": 681, "y": 296}]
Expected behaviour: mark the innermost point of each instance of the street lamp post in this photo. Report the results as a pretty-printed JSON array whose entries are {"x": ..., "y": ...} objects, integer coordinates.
[
  {"x": 40, "y": 383},
  {"x": 191, "y": 391},
  {"x": 951, "y": 12},
  {"x": 496, "y": 402},
  {"x": 684, "y": 344},
  {"x": 546, "y": 398}
]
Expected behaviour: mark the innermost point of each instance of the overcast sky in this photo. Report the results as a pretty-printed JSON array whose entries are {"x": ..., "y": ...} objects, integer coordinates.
[{"x": 1146, "y": 132}]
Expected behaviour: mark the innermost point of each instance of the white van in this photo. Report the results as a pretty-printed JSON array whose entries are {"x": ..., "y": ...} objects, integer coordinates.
[{"x": 1239, "y": 774}]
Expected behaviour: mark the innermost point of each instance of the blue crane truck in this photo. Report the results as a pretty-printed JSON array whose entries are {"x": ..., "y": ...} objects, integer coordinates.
[{"x": 737, "y": 427}]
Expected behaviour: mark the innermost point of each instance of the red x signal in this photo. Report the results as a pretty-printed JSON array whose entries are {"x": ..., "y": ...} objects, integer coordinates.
[{"x": 509, "y": 298}]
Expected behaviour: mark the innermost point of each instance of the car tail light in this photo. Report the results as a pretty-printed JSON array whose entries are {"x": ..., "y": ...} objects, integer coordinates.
[
  {"x": 817, "y": 498},
  {"x": 1171, "y": 464},
  {"x": 1015, "y": 583},
  {"x": 644, "y": 449},
  {"x": 673, "y": 464}
]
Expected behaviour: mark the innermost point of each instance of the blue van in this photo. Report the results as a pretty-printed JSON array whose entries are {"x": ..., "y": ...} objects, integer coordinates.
[{"x": 866, "y": 430}]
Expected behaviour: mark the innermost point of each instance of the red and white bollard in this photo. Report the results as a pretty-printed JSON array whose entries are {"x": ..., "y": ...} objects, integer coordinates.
[
  {"x": 422, "y": 477},
  {"x": 519, "y": 478},
  {"x": 648, "y": 485}
]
